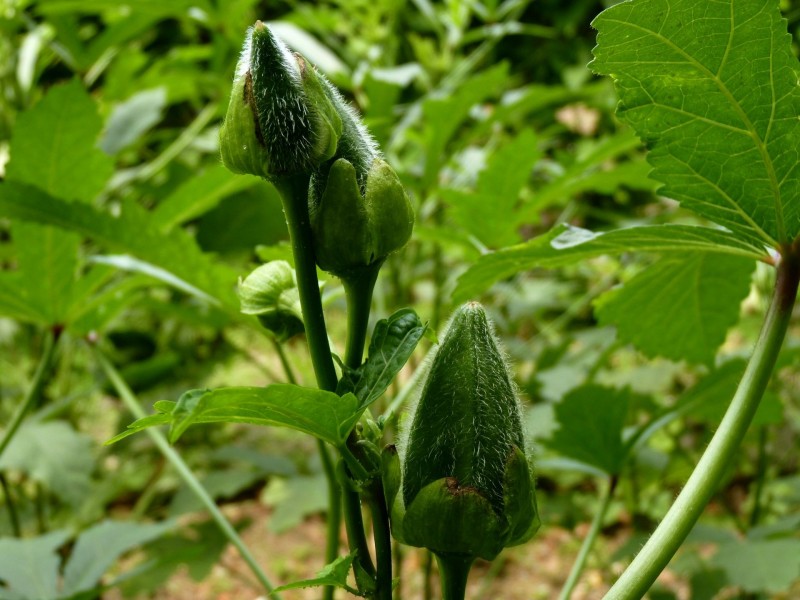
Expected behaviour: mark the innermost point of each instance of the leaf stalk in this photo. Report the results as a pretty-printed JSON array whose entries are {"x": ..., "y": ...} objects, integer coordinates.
[{"x": 719, "y": 455}]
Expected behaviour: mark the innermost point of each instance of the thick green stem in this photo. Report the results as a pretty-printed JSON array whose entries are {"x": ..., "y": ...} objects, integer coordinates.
[
  {"x": 588, "y": 543},
  {"x": 721, "y": 452},
  {"x": 39, "y": 379},
  {"x": 184, "y": 472},
  {"x": 294, "y": 194},
  {"x": 334, "y": 512},
  {"x": 358, "y": 291},
  {"x": 453, "y": 573}
]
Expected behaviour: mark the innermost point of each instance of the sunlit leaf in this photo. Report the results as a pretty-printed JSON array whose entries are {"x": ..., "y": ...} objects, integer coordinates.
[{"x": 712, "y": 89}]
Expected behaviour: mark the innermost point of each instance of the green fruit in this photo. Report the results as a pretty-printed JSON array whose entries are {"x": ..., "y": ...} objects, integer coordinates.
[{"x": 465, "y": 486}]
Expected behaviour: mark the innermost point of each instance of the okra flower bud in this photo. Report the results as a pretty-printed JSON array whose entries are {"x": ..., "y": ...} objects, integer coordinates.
[
  {"x": 462, "y": 485},
  {"x": 270, "y": 293},
  {"x": 280, "y": 120},
  {"x": 355, "y": 228}
]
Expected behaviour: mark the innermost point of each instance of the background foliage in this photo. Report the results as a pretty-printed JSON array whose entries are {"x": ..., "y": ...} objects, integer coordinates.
[{"x": 119, "y": 226}]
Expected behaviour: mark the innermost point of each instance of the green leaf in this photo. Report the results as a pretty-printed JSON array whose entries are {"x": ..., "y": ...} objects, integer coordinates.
[
  {"x": 322, "y": 414},
  {"x": 565, "y": 245},
  {"x": 497, "y": 192},
  {"x": 54, "y": 454},
  {"x": 334, "y": 574},
  {"x": 714, "y": 95},
  {"x": 132, "y": 231},
  {"x": 99, "y": 547},
  {"x": 29, "y": 567},
  {"x": 681, "y": 307},
  {"x": 591, "y": 419},
  {"x": 48, "y": 266},
  {"x": 132, "y": 118},
  {"x": 14, "y": 301},
  {"x": 199, "y": 195},
  {"x": 393, "y": 341},
  {"x": 54, "y": 146},
  {"x": 760, "y": 566}
]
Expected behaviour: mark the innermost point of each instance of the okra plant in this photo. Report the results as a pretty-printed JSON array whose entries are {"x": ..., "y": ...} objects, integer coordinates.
[{"x": 710, "y": 89}]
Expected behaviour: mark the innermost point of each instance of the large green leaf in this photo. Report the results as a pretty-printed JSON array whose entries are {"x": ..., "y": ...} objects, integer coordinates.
[
  {"x": 565, "y": 245},
  {"x": 54, "y": 146},
  {"x": 712, "y": 89},
  {"x": 99, "y": 547},
  {"x": 591, "y": 419},
  {"x": 322, "y": 414},
  {"x": 681, "y": 307},
  {"x": 132, "y": 231},
  {"x": 29, "y": 567}
]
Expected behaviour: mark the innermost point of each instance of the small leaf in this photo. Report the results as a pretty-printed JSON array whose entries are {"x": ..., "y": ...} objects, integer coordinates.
[
  {"x": 760, "y": 566},
  {"x": 680, "y": 308},
  {"x": 334, "y": 574},
  {"x": 322, "y": 414},
  {"x": 393, "y": 341},
  {"x": 29, "y": 567},
  {"x": 565, "y": 245},
  {"x": 99, "y": 547},
  {"x": 54, "y": 146},
  {"x": 591, "y": 419},
  {"x": 714, "y": 95}
]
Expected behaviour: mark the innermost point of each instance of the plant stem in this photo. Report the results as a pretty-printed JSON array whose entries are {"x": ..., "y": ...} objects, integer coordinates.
[
  {"x": 588, "y": 542},
  {"x": 334, "y": 519},
  {"x": 453, "y": 573},
  {"x": 294, "y": 193},
  {"x": 358, "y": 291},
  {"x": 294, "y": 196},
  {"x": 39, "y": 379},
  {"x": 383, "y": 541},
  {"x": 287, "y": 367},
  {"x": 184, "y": 472},
  {"x": 12, "y": 507},
  {"x": 354, "y": 522},
  {"x": 719, "y": 455}
]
